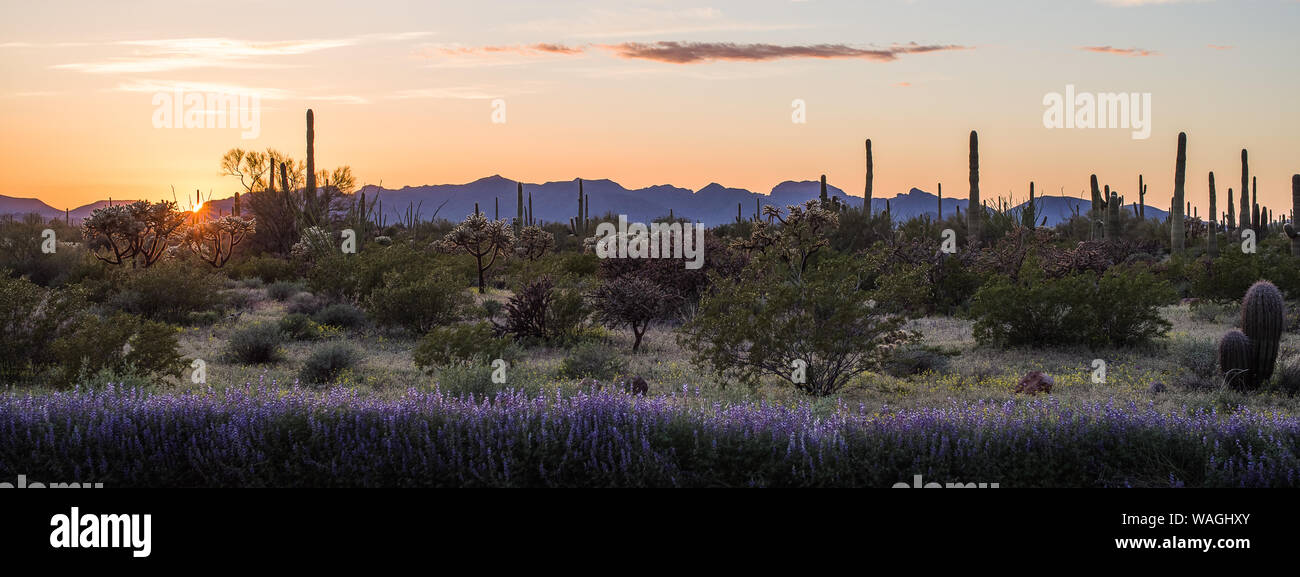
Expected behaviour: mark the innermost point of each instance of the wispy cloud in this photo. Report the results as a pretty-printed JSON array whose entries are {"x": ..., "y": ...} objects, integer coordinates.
[
  {"x": 695, "y": 52},
  {"x": 1119, "y": 51},
  {"x": 164, "y": 55},
  {"x": 1220, "y": 46},
  {"x": 448, "y": 92},
  {"x": 204, "y": 88},
  {"x": 642, "y": 22}
]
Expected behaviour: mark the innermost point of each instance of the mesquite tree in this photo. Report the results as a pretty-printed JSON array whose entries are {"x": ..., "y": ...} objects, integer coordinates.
[{"x": 633, "y": 302}]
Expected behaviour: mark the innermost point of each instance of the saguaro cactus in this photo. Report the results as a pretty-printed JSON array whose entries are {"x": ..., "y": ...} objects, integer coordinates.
[
  {"x": 234, "y": 210},
  {"x": 871, "y": 176},
  {"x": 1112, "y": 217},
  {"x": 1028, "y": 217},
  {"x": 310, "y": 191},
  {"x": 1244, "y": 215},
  {"x": 1176, "y": 232},
  {"x": 1231, "y": 221},
  {"x": 973, "y": 212},
  {"x": 1214, "y": 221},
  {"x": 1142, "y": 199},
  {"x": 823, "y": 192},
  {"x": 1097, "y": 211},
  {"x": 1291, "y": 227},
  {"x": 519, "y": 207},
  {"x": 940, "y": 213}
]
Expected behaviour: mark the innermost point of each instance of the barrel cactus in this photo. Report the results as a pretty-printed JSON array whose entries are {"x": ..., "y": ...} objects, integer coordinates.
[{"x": 1234, "y": 358}]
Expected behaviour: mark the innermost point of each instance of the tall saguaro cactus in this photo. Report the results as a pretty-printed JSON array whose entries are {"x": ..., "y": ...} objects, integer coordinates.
[
  {"x": 1214, "y": 221},
  {"x": 1292, "y": 229},
  {"x": 1177, "y": 235},
  {"x": 1244, "y": 215},
  {"x": 871, "y": 176},
  {"x": 1142, "y": 199},
  {"x": 310, "y": 191},
  {"x": 519, "y": 207},
  {"x": 940, "y": 213},
  {"x": 1096, "y": 213},
  {"x": 1112, "y": 216},
  {"x": 974, "y": 213}
]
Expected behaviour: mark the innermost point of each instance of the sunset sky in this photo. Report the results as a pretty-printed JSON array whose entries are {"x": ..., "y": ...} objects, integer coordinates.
[{"x": 651, "y": 93}]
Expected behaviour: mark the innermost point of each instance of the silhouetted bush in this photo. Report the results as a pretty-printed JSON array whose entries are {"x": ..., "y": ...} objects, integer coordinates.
[
  {"x": 469, "y": 343},
  {"x": 168, "y": 291},
  {"x": 592, "y": 360},
  {"x": 283, "y": 290}
]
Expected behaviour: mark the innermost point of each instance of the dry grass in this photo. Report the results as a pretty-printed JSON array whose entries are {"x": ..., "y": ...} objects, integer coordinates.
[{"x": 1183, "y": 361}]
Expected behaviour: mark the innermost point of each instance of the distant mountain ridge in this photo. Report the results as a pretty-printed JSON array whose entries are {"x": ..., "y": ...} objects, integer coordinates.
[{"x": 556, "y": 201}]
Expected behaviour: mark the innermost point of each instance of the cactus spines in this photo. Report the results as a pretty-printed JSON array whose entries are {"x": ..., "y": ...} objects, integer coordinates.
[
  {"x": 310, "y": 192},
  {"x": 1291, "y": 227},
  {"x": 1234, "y": 358},
  {"x": 1262, "y": 320},
  {"x": 1176, "y": 232},
  {"x": 1214, "y": 221},
  {"x": 871, "y": 175},
  {"x": 973, "y": 212}
]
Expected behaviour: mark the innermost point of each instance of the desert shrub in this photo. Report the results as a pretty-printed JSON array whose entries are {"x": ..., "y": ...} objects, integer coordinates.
[
  {"x": 542, "y": 312},
  {"x": 1121, "y": 307},
  {"x": 251, "y": 283},
  {"x": 915, "y": 360},
  {"x": 470, "y": 343},
  {"x": 1287, "y": 377},
  {"x": 419, "y": 305},
  {"x": 305, "y": 303},
  {"x": 328, "y": 361},
  {"x": 168, "y": 292},
  {"x": 341, "y": 315},
  {"x": 122, "y": 344},
  {"x": 1200, "y": 356},
  {"x": 462, "y": 379},
  {"x": 592, "y": 360},
  {"x": 283, "y": 290},
  {"x": 203, "y": 318},
  {"x": 256, "y": 344},
  {"x": 299, "y": 327},
  {"x": 22, "y": 254},
  {"x": 31, "y": 319},
  {"x": 814, "y": 327},
  {"x": 269, "y": 269}
]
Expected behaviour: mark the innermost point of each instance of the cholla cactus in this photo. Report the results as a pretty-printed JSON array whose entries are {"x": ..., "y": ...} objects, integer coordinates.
[
  {"x": 485, "y": 240},
  {"x": 314, "y": 244},
  {"x": 533, "y": 242},
  {"x": 139, "y": 233},
  {"x": 214, "y": 241}
]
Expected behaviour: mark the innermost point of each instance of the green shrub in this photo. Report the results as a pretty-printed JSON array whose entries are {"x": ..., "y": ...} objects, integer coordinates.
[
  {"x": 268, "y": 268},
  {"x": 304, "y": 303},
  {"x": 915, "y": 360},
  {"x": 473, "y": 343},
  {"x": 168, "y": 292},
  {"x": 1287, "y": 377},
  {"x": 31, "y": 319},
  {"x": 282, "y": 290},
  {"x": 299, "y": 327},
  {"x": 341, "y": 315},
  {"x": 256, "y": 344},
  {"x": 327, "y": 362},
  {"x": 592, "y": 360},
  {"x": 467, "y": 380},
  {"x": 419, "y": 305},
  {"x": 543, "y": 312},
  {"x": 203, "y": 318},
  {"x": 122, "y": 344},
  {"x": 1121, "y": 307}
]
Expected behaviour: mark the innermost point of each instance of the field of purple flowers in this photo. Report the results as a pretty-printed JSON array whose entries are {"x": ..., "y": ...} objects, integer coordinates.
[{"x": 261, "y": 436}]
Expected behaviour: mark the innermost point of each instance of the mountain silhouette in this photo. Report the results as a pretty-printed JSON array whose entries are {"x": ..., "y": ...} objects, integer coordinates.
[{"x": 556, "y": 201}]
